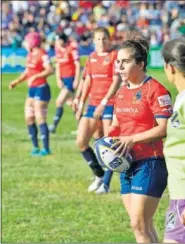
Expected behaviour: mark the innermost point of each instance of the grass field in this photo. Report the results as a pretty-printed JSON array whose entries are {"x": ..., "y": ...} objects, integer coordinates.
[{"x": 46, "y": 199}]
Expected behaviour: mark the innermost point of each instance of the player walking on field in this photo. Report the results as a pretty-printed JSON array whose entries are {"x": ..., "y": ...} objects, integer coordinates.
[
  {"x": 67, "y": 75},
  {"x": 38, "y": 67},
  {"x": 100, "y": 85},
  {"x": 142, "y": 107},
  {"x": 174, "y": 149}
]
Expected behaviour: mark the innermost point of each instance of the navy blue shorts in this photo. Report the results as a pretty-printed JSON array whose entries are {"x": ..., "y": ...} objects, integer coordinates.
[
  {"x": 68, "y": 83},
  {"x": 145, "y": 177},
  {"x": 41, "y": 93},
  {"x": 107, "y": 113}
]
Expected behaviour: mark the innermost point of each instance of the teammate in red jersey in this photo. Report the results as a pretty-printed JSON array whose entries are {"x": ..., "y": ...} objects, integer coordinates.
[
  {"x": 142, "y": 108},
  {"x": 38, "y": 67},
  {"x": 67, "y": 75},
  {"x": 100, "y": 85}
]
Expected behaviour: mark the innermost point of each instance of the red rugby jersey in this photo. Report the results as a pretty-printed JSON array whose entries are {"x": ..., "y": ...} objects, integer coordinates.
[
  {"x": 101, "y": 69},
  {"x": 66, "y": 58},
  {"x": 137, "y": 110},
  {"x": 35, "y": 64}
]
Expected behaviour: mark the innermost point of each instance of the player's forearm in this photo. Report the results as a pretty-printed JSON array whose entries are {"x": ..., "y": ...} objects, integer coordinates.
[
  {"x": 57, "y": 72},
  {"x": 79, "y": 90},
  {"x": 113, "y": 88},
  {"x": 21, "y": 78},
  {"x": 85, "y": 90},
  {"x": 77, "y": 70},
  {"x": 151, "y": 135},
  {"x": 44, "y": 73}
]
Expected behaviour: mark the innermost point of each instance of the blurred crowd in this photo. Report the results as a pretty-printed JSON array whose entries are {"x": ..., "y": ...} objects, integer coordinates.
[{"x": 159, "y": 21}]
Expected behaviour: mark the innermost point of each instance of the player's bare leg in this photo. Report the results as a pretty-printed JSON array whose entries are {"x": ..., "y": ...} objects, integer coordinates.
[
  {"x": 141, "y": 215},
  {"x": 32, "y": 128}
]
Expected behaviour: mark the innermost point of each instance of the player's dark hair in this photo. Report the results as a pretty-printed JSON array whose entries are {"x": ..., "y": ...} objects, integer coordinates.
[
  {"x": 173, "y": 53},
  {"x": 139, "y": 49},
  {"x": 62, "y": 36},
  {"x": 101, "y": 30}
]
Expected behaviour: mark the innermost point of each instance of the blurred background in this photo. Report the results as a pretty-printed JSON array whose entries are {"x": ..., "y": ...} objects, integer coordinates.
[{"x": 159, "y": 21}]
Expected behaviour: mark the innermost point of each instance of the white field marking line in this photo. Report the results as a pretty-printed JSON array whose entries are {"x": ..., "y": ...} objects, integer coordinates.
[{"x": 8, "y": 129}]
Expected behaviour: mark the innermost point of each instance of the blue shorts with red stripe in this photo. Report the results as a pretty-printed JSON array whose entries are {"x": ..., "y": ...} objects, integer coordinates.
[
  {"x": 68, "y": 83},
  {"x": 107, "y": 113},
  {"x": 41, "y": 93},
  {"x": 145, "y": 177}
]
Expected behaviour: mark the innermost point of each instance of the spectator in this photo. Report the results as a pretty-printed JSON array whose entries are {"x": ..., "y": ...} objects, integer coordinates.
[{"x": 165, "y": 19}]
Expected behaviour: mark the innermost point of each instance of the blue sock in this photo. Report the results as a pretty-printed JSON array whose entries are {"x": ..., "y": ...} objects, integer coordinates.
[
  {"x": 107, "y": 177},
  {"x": 32, "y": 129},
  {"x": 92, "y": 161},
  {"x": 58, "y": 116},
  {"x": 44, "y": 135}
]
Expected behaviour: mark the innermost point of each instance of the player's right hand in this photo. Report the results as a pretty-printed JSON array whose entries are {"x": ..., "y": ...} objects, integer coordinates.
[
  {"x": 59, "y": 83},
  {"x": 12, "y": 85},
  {"x": 78, "y": 114},
  {"x": 75, "y": 104}
]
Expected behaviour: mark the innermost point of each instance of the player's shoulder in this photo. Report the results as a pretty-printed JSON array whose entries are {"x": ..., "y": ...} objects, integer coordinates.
[
  {"x": 42, "y": 51},
  {"x": 154, "y": 85},
  {"x": 93, "y": 55}
]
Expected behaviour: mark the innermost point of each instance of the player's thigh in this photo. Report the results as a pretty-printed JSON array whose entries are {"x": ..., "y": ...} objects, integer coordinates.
[
  {"x": 86, "y": 129},
  {"x": 126, "y": 202},
  {"x": 29, "y": 110},
  {"x": 106, "y": 124},
  {"x": 142, "y": 212},
  {"x": 63, "y": 96},
  {"x": 41, "y": 109},
  {"x": 99, "y": 131}
]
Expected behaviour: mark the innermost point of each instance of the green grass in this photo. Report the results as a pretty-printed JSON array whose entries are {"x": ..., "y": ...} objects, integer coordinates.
[{"x": 46, "y": 199}]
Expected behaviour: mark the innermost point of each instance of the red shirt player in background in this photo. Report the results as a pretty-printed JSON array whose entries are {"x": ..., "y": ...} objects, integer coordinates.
[
  {"x": 142, "y": 108},
  {"x": 38, "y": 67},
  {"x": 67, "y": 75},
  {"x": 100, "y": 85}
]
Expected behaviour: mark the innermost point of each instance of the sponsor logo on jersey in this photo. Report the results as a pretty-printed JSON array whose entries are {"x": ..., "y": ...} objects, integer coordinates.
[
  {"x": 137, "y": 97},
  {"x": 106, "y": 61},
  {"x": 127, "y": 110},
  {"x": 164, "y": 100},
  {"x": 93, "y": 60},
  {"x": 120, "y": 96},
  {"x": 31, "y": 65},
  {"x": 99, "y": 76}
]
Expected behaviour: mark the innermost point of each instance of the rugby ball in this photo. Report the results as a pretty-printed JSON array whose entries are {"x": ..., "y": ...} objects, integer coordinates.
[{"x": 107, "y": 158}]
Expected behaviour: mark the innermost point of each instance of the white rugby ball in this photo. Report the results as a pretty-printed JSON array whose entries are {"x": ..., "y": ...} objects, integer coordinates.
[{"x": 107, "y": 158}]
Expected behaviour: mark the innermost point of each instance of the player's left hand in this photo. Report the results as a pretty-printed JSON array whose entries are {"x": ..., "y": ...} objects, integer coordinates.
[
  {"x": 75, "y": 84},
  {"x": 98, "y": 111},
  {"x": 123, "y": 145},
  {"x": 183, "y": 217},
  {"x": 31, "y": 80}
]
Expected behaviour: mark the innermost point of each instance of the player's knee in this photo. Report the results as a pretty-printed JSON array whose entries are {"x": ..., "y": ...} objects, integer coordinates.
[
  {"x": 29, "y": 115},
  {"x": 29, "y": 120},
  {"x": 138, "y": 226},
  {"x": 29, "y": 112},
  {"x": 81, "y": 144},
  {"x": 59, "y": 103},
  {"x": 41, "y": 116}
]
